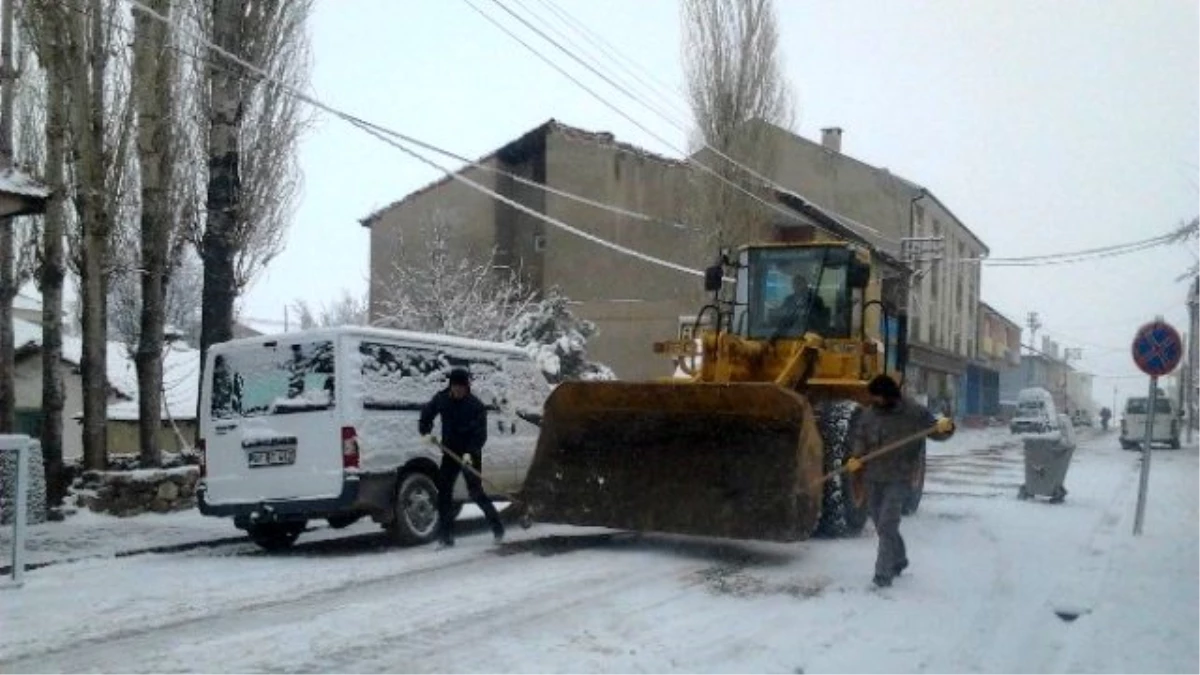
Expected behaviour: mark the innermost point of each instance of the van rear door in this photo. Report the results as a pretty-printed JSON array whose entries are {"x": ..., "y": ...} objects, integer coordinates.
[{"x": 272, "y": 429}]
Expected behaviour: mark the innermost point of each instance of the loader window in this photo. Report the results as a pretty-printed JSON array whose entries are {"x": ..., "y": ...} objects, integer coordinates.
[{"x": 796, "y": 290}]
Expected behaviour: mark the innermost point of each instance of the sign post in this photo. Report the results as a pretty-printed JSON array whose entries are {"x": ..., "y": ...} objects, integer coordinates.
[{"x": 1157, "y": 349}]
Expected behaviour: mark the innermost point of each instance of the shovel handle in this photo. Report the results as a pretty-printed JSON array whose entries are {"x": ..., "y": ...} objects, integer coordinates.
[
  {"x": 474, "y": 472},
  {"x": 879, "y": 452}
]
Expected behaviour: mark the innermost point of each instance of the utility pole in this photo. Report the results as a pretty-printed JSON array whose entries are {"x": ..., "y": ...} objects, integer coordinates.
[
  {"x": 1189, "y": 373},
  {"x": 1034, "y": 323}
]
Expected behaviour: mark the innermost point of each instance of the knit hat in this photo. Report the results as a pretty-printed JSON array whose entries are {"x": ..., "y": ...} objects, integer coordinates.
[
  {"x": 884, "y": 387},
  {"x": 460, "y": 376}
]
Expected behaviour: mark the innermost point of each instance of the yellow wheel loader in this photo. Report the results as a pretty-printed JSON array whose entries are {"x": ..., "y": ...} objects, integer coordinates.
[{"x": 738, "y": 448}]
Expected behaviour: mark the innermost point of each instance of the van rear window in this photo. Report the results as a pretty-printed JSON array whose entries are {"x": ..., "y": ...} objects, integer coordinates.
[
  {"x": 274, "y": 379},
  {"x": 1139, "y": 406}
]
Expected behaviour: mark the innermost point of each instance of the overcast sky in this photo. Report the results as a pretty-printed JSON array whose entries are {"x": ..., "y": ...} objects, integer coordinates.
[{"x": 1045, "y": 126}]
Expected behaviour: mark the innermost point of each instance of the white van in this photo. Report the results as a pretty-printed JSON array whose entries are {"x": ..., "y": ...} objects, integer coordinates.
[
  {"x": 322, "y": 424},
  {"x": 1166, "y": 422},
  {"x": 1035, "y": 412}
]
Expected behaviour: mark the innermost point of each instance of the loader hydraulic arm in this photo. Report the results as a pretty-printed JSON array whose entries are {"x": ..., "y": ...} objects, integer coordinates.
[{"x": 800, "y": 366}]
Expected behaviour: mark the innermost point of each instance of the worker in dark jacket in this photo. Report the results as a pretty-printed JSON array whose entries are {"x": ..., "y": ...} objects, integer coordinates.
[
  {"x": 889, "y": 477},
  {"x": 464, "y": 431}
]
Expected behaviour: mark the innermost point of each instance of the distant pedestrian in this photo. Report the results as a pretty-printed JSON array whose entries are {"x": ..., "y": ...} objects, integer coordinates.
[
  {"x": 464, "y": 432},
  {"x": 1105, "y": 416},
  {"x": 889, "y": 477}
]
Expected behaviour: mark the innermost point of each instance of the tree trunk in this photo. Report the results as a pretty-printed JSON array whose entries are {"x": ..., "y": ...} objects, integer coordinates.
[
  {"x": 87, "y": 115},
  {"x": 51, "y": 275},
  {"x": 152, "y": 89},
  {"x": 225, "y": 118},
  {"x": 8, "y": 282}
]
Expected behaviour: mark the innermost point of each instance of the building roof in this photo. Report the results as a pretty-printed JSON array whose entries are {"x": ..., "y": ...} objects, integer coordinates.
[
  {"x": 913, "y": 187},
  {"x": 998, "y": 314},
  {"x": 518, "y": 147},
  {"x": 181, "y": 372}
]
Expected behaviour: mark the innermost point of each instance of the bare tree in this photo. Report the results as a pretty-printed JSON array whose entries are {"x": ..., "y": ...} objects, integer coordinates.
[
  {"x": 99, "y": 116},
  {"x": 348, "y": 310},
  {"x": 253, "y": 127},
  {"x": 734, "y": 74},
  {"x": 434, "y": 291},
  {"x": 19, "y": 146},
  {"x": 153, "y": 75},
  {"x": 40, "y": 20}
]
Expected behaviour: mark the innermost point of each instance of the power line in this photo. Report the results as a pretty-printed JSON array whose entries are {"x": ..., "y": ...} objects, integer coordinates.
[
  {"x": 1179, "y": 234},
  {"x": 691, "y": 160},
  {"x": 388, "y": 136}
]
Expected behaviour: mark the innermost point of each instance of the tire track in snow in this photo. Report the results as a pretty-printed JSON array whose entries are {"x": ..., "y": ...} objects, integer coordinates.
[{"x": 85, "y": 653}]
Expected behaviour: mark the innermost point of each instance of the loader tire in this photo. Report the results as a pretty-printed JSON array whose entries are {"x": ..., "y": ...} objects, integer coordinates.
[{"x": 844, "y": 507}]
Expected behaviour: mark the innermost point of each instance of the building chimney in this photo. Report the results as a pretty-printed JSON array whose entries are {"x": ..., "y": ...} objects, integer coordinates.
[{"x": 831, "y": 138}]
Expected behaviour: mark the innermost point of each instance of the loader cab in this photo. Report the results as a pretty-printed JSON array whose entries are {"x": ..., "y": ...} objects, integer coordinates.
[{"x": 786, "y": 291}]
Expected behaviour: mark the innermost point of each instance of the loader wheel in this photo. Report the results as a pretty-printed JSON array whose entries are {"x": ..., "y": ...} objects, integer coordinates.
[
  {"x": 917, "y": 489},
  {"x": 844, "y": 507}
]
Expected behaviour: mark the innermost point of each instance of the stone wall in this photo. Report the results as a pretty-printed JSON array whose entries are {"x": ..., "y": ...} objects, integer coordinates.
[
  {"x": 36, "y": 509},
  {"x": 130, "y": 493}
]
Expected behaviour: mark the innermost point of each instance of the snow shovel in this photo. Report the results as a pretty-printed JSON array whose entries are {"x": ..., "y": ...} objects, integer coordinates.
[
  {"x": 878, "y": 452},
  {"x": 526, "y": 518}
]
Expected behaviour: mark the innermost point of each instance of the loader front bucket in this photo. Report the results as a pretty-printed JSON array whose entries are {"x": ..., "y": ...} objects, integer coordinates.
[{"x": 734, "y": 461}]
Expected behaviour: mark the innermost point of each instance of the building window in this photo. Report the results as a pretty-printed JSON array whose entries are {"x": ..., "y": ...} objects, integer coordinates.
[{"x": 539, "y": 243}]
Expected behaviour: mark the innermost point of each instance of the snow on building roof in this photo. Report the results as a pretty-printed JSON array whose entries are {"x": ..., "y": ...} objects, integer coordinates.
[
  {"x": 537, "y": 134},
  {"x": 181, "y": 373},
  {"x": 17, "y": 182}
]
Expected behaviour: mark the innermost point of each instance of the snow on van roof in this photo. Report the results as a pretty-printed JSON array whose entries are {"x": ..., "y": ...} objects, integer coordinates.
[{"x": 434, "y": 339}]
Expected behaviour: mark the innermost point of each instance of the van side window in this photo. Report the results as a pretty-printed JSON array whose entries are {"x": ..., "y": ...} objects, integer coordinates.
[
  {"x": 399, "y": 377},
  {"x": 274, "y": 380}
]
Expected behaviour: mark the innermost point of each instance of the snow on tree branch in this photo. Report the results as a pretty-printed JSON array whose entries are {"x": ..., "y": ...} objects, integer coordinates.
[{"x": 436, "y": 291}]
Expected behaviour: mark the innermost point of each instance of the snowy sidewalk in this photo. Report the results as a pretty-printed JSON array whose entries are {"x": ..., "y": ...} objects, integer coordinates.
[{"x": 91, "y": 535}]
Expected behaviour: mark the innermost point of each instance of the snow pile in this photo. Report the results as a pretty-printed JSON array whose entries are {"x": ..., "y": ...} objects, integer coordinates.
[{"x": 556, "y": 339}]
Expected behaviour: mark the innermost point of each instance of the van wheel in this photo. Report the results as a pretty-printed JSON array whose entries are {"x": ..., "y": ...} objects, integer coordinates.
[
  {"x": 414, "y": 509},
  {"x": 275, "y": 536}
]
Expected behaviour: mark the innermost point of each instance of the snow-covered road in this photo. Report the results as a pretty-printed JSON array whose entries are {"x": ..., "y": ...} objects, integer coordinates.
[{"x": 988, "y": 574}]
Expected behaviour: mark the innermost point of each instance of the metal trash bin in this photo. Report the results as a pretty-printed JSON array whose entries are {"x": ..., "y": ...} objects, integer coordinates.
[{"x": 1047, "y": 458}]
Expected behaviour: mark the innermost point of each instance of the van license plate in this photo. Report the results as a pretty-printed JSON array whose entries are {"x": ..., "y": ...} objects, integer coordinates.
[{"x": 272, "y": 457}]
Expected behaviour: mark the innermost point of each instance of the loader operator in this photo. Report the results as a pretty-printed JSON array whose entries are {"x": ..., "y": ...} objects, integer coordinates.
[
  {"x": 464, "y": 431},
  {"x": 804, "y": 310},
  {"x": 889, "y": 477}
]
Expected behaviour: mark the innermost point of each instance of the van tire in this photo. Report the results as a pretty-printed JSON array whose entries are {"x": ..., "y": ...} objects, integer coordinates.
[
  {"x": 414, "y": 509},
  {"x": 275, "y": 536}
]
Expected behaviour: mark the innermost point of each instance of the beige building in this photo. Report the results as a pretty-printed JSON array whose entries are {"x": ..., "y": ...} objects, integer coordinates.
[
  {"x": 889, "y": 211},
  {"x": 635, "y": 302}
]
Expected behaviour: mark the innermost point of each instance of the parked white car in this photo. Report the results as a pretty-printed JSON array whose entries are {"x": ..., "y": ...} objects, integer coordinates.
[
  {"x": 1036, "y": 413},
  {"x": 322, "y": 424},
  {"x": 1166, "y": 422}
]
